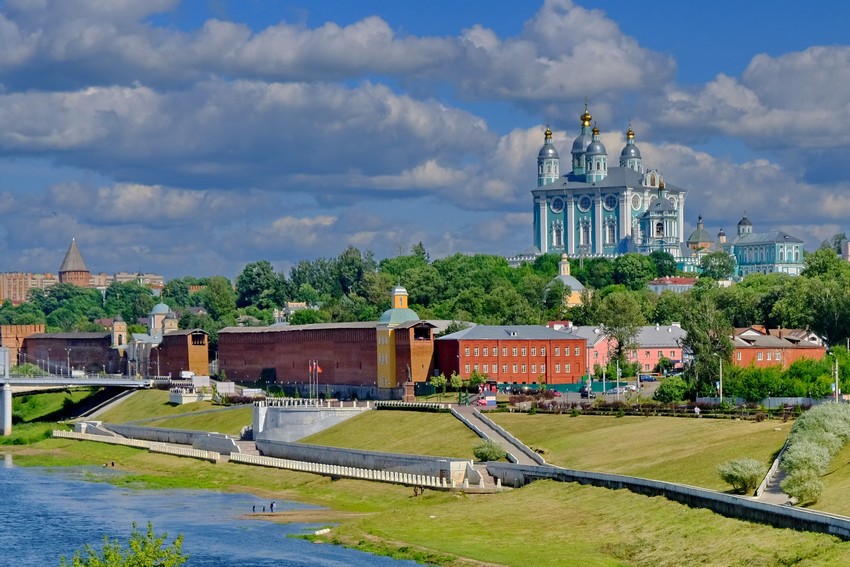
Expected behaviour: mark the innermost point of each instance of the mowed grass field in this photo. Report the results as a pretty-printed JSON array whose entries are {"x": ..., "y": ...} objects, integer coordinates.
[
  {"x": 145, "y": 404},
  {"x": 679, "y": 450},
  {"x": 435, "y": 434},
  {"x": 544, "y": 524}
]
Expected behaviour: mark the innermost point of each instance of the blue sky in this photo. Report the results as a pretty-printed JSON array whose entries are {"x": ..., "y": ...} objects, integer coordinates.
[{"x": 190, "y": 138}]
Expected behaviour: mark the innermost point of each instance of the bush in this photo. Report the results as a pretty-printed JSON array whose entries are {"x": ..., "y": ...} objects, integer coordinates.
[
  {"x": 671, "y": 389},
  {"x": 804, "y": 485},
  {"x": 488, "y": 451},
  {"x": 806, "y": 455},
  {"x": 743, "y": 474}
]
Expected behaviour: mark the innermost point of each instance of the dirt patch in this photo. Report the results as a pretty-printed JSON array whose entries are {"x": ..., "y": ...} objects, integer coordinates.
[{"x": 305, "y": 516}]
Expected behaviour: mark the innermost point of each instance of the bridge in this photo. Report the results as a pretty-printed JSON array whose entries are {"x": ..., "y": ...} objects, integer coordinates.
[{"x": 113, "y": 380}]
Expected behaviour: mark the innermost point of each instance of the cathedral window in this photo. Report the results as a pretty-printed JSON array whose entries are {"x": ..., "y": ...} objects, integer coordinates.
[
  {"x": 610, "y": 233},
  {"x": 659, "y": 229},
  {"x": 557, "y": 234},
  {"x": 549, "y": 168},
  {"x": 796, "y": 254},
  {"x": 781, "y": 254}
]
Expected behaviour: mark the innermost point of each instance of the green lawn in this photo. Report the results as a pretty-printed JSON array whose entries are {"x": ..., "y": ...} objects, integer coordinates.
[
  {"x": 149, "y": 403},
  {"x": 663, "y": 448},
  {"x": 437, "y": 434},
  {"x": 227, "y": 420},
  {"x": 545, "y": 523},
  {"x": 36, "y": 405}
]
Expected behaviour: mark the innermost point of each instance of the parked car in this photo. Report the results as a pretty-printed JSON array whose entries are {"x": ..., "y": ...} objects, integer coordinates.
[
  {"x": 616, "y": 390},
  {"x": 648, "y": 378},
  {"x": 586, "y": 392},
  {"x": 631, "y": 387}
]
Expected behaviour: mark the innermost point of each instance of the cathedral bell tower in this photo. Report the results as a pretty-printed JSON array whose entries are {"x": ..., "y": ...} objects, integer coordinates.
[{"x": 548, "y": 161}]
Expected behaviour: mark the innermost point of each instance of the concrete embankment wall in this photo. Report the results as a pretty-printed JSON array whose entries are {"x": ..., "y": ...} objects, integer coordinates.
[
  {"x": 151, "y": 446},
  {"x": 201, "y": 440},
  {"x": 451, "y": 469},
  {"x": 292, "y": 423},
  {"x": 726, "y": 504},
  {"x": 341, "y": 471}
]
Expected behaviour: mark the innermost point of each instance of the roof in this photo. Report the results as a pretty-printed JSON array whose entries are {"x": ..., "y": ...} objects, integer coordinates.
[
  {"x": 660, "y": 336},
  {"x": 590, "y": 333},
  {"x": 160, "y": 309},
  {"x": 569, "y": 282},
  {"x": 398, "y": 315},
  {"x": 506, "y": 332},
  {"x": 773, "y": 237},
  {"x": 294, "y": 328},
  {"x": 71, "y": 336},
  {"x": 673, "y": 280},
  {"x": 73, "y": 261},
  {"x": 769, "y": 341}
]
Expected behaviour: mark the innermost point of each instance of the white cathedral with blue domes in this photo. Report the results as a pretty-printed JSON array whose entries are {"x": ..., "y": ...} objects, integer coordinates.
[{"x": 597, "y": 210}]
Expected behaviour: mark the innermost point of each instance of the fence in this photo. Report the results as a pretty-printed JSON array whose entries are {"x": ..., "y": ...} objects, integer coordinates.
[{"x": 151, "y": 446}]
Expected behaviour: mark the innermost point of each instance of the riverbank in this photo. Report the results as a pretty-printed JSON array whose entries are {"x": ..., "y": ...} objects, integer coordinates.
[{"x": 546, "y": 523}]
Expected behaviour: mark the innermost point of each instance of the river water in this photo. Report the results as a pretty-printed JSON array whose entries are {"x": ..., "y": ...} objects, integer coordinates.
[{"x": 46, "y": 513}]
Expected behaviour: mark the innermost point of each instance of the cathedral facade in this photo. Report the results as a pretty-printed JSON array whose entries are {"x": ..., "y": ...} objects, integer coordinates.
[{"x": 597, "y": 209}]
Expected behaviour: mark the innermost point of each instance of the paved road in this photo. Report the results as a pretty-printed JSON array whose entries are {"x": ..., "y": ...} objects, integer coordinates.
[{"x": 494, "y": 435}]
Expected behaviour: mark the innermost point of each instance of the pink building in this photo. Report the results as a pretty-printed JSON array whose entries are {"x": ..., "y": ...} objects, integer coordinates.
[{"x": 655, "y": 342}]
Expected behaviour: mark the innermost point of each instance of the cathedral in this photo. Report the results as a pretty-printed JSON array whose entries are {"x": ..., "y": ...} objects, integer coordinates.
[{"x": 601, "y": 210}]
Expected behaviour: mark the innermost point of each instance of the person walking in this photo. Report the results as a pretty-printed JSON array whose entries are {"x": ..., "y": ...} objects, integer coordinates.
[{"x": 272, "y": 507}]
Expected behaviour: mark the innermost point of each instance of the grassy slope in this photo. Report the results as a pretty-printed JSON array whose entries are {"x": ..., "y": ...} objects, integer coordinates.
[
  {"x": 148, "y": 403},
  {"x": 836, "y": 485},
  {"x": 663, "y": 448},
  {"x": 230, "y": 421},
  {"x": 437, "y": 434},
  {"x": 546, "y": 523},
  {"x": 37, "y": 405}
]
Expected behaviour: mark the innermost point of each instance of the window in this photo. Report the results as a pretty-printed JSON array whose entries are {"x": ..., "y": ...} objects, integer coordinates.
[
  {"x": 475, "y": 351},
  {"x": 522, "y": 352},
  {"x": 466, "y": 368},
  {"x": 534, "y": 351},
  {"x": 659, "y": 230},
  {"x": 524, "y": 370},
  {"x": 504, "y": 369},
  {"x": 760, "y": 354},
  {"x": 770, "y": 356},
  {"x": 513, "y": 367},
  {"x": 610, "y": 233},
  {"x": 646, "y": 354},
  {"x": 557, "y": 369},
  {"x": 513, "y": 351},
  {"x": 557, "y": 351},
  {"x": 486, "y": 351},
  {"x": 739, "y": 355},
  {"x": 504, "y": 351},
  {"x": 596, "y": 355},
  {"x": 543, "y": 351},
  {"x": 646, "y": 367},
  {"x": 465, "y": 351},
  {"x": 557, "y": 234},
  {"x": 672, "y": 354},
  {"x": 534, "y": 369},
  {"x": 475, "y": 367},
  {"x": 660, "y": 354},
  {"x": 543, "y": 369},
  {"x": 578, "y": 351},
  {"x": 777, "y": 355},
  {"x": 566, "y": 367}
]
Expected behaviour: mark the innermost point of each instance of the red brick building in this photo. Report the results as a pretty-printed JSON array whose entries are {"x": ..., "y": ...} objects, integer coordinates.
[
  {"x": 13, "y": 336},
  {"x": 762, "y": 348},
  {"x": 516, "y": 354}
]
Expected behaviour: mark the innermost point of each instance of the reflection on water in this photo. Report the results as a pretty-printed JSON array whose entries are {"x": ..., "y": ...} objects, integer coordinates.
[{"x": 50, "y": 512}]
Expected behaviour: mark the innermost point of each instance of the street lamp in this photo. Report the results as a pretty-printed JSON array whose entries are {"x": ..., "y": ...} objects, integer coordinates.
[
  {"x": 720, "y": 358},
  {"x": 68, "y": 360},
  {"x": 835, "y": 375},
  {"x": 156, "y": 348},
  {"x": 48, "y": 361}
]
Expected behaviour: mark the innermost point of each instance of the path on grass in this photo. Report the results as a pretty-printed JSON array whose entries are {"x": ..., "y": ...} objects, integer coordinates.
[
  {"x": 474, "y": 417},
  {"x": 772, "y": 494}
]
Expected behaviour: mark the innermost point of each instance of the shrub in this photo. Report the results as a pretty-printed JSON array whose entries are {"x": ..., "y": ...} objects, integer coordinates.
[
  {"x": 488, "y": 451},
  {"x": 806, "y": 455},
  {"x": 671, "y": 389},
  {"x": 804, "y": 485},
  {"x": 743, "y": 474}
]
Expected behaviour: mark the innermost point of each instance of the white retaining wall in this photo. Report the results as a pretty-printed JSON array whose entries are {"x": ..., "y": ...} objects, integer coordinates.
[
  {"x": 151, "y": 446},
  {"x": 217, "y": 442},
  {"x": 726, "y": 504},
  {"x": 454, "y": 469},
  {"x": 297, "y": 421},
  {"x": 342, "y": 471}
]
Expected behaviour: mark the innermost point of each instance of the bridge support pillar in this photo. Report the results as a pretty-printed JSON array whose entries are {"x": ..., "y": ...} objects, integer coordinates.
[{"x": 6, "y": 409}]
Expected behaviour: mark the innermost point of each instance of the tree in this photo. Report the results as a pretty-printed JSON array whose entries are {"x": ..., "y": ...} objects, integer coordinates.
[
  {"x": 306, "y": 317},
  {"x": 439, "y": 382},
  {"x": 219, "y": 299},
  {"x": 671, "y": 389},
  {"x": 633, "y": 271},
  {"x": 717, "y": 265},
  {"x": 178, "y": 291},
  {"x": 664, "y": 263},
  {"x": 256, "y": 284},
  {"x": 709, "y": 333},
  {"x": 489, "y": 451},
  {"x": 621, "y": 318},
  {"x": 822, "y": 262},
  {"x": 144, "y": 550}
]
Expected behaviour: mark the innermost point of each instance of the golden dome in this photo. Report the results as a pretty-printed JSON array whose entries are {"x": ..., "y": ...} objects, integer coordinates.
[
  {"x": 630, "y": 134},
  {"x": 548, "y": 133},
  {"x": 586, "y": 117},
  {"x": 595, "y": 130}
]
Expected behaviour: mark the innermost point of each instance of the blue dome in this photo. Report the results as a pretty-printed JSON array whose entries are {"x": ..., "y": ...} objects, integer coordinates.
[
  {"x": 596, "y": 149},
  {"x": 548, "y": 151},
  {"x": 160, "y": 309},
  {"x": 581, "y": 143},
  {"x": 630, "y": 151}
]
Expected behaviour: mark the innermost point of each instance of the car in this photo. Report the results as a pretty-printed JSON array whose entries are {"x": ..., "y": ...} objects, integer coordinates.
[
  {"x": 616, "y": 390},
  {"x": 587, "y": 394},
  {"x": 648, "y": 378},
  {"x": 631, "y": 387}
]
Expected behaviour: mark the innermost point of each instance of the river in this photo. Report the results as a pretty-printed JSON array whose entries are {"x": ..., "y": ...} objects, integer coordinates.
[{"x": 46, "y": 513}]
